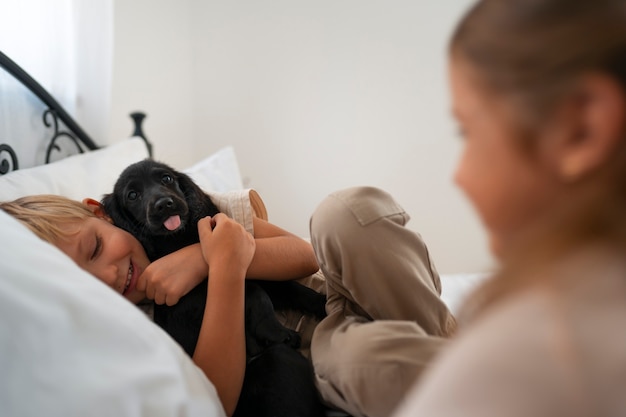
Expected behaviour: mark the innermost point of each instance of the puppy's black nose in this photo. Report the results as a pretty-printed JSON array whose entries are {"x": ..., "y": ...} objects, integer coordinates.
[{"x": 163, "y": 203}]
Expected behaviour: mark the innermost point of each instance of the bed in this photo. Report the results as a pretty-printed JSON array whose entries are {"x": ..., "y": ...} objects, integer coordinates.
[{"x": 70, "y": 346}]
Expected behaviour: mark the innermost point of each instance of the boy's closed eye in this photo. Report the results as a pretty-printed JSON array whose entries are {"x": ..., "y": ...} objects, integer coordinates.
[{"x": 97, "y": 247}]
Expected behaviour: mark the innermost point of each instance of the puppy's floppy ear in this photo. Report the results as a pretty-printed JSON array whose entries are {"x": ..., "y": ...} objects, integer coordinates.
[
  {"x": 115, "y": 212},
  {"x": 97, "y": 209},
  {"x": 186, "y": 184},
  {"x": 112, "y": 208},
  {"x": 197, "y": 200},
  {"x": 107, "y": 202}
]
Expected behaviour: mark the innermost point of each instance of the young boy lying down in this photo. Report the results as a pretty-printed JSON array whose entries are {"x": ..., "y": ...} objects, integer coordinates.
[
  {"x": 386, "y": 320},
  {"x": 83, "y": 231}
]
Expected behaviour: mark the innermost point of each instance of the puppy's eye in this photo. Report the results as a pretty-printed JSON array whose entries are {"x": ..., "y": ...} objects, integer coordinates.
[
  {"x": 167, "y": 179},
  {"x": 132, "y": 195}
]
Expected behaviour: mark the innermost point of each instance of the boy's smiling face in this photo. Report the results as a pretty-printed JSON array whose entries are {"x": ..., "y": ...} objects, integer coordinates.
[{"x": 109, "y": 253}]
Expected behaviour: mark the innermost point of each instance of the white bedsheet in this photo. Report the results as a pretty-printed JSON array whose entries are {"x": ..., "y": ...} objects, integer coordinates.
[{"x": 455, "y": 287}]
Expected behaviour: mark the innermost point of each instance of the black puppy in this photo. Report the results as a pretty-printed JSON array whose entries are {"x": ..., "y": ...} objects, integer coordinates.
[{"x": 161, "y": 208}]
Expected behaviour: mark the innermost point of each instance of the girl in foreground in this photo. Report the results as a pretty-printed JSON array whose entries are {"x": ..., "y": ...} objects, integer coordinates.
[
  {"x": 539, "y": 90},
  {"x": 85, "y": 234}
]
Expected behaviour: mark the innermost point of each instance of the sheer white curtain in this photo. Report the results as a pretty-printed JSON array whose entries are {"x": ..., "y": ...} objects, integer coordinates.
[{"x": 66, "y": 45}]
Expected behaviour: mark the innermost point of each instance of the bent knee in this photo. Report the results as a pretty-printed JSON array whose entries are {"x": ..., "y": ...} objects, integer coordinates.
[{"x": 344, "y": 210}]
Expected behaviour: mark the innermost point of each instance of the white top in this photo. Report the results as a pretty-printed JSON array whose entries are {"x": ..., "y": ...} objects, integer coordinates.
[{"x": 551, "y": 352}]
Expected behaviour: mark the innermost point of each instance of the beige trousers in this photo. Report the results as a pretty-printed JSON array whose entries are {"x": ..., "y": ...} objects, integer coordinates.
[{"x": 385, "y": 319}]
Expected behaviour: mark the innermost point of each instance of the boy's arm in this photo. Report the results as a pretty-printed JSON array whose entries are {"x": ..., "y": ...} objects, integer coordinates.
[
  {"x": 220, "y": 351},
  {"x": 169, "y": 278},
  {"x": 279, "y": 255}
]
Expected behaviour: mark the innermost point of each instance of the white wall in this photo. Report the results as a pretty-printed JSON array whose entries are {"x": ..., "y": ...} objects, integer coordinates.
[
  {"x": 314, "y": 96},
  {"x": 152, "y": 72}
]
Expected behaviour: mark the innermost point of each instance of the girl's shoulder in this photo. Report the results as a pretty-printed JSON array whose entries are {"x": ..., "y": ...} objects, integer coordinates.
[{"x": 506, "y": 362}]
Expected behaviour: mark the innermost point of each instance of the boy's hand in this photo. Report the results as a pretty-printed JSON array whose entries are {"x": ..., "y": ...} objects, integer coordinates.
[
  {"x": 171, "y": 277},
  {"x": 226, "y": 244}
]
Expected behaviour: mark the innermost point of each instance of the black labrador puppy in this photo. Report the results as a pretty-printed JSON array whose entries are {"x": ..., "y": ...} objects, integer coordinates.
[{"x": 161, "y": 208}]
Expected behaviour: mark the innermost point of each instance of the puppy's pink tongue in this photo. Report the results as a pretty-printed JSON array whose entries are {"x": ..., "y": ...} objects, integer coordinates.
[{"x": 172, "y": 223}]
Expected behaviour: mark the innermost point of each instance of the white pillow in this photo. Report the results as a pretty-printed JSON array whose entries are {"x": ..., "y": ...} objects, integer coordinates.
[
  {"x": 218, "y": 172},
  {"x": 84, "y": 175},
  {"x": 71, "y": 346},
  {"x": 94, "y": 173}
]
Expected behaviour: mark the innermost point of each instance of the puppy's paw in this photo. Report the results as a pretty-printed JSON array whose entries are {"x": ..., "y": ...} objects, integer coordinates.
[
  {"x": 258, "y": 343},
  {"x": 319, "y": 307},
  {"x": 292, "y": 338}
]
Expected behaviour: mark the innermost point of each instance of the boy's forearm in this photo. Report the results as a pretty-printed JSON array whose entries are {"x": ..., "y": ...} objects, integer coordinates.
[
  {"x": 282, "y": 258},
  {"x": 220, "y": 351},
  {"x": 275, "y": 258}
]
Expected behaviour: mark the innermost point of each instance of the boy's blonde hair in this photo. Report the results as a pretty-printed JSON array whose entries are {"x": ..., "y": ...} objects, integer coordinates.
[{"x": 47, "y": 214}]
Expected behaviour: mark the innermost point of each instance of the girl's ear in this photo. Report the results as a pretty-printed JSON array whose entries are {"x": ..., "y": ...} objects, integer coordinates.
[
  {"x": 97, "y": 209},
  {"x": 598, "y": 118}
]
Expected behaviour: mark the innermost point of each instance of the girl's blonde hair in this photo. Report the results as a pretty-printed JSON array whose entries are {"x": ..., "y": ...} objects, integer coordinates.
[
  {"x": 47, "y": 215},
  {"x": 530, "y": 54}
]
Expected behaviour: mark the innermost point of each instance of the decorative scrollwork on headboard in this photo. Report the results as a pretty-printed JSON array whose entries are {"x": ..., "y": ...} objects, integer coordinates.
[
  {"x": 54, "y": 108},
  {"x": 50, "y": 119},
  {"x": 55, "y": 117},
  {"x": 5, "y": 166}
]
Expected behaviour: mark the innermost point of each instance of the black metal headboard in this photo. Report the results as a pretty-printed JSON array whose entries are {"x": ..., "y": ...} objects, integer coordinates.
[{"x": 62, "y": 129}]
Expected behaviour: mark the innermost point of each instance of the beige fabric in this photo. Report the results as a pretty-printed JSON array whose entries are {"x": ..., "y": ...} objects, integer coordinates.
[
  {"x": 385, "y": 320},
  {"x": 240, "y": 205}
]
